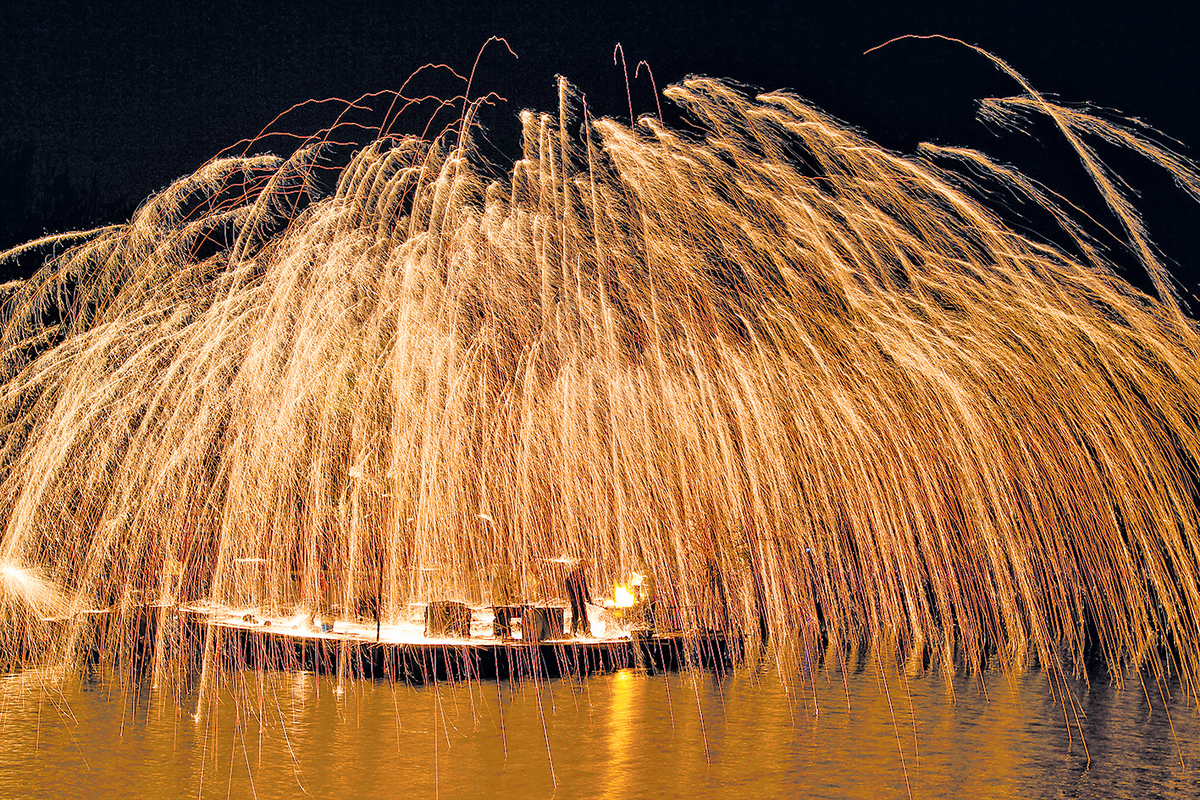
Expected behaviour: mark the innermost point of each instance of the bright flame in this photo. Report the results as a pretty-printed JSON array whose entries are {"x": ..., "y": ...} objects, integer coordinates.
[
  {"x": 622, "y": 597},
  {"x": 39, "y": 593}
]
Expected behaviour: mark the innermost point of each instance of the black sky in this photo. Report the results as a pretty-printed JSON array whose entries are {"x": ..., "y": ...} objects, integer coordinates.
[{"x": 99, "y": 108}]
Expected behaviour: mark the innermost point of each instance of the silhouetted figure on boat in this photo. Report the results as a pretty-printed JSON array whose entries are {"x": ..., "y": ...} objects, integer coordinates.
[
  {"x": 578, "y": 595},
  {"x": 646, "y": 589}
]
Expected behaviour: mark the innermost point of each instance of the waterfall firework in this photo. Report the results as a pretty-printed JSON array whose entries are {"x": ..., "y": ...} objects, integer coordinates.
[{"x": 820, "y": 390}]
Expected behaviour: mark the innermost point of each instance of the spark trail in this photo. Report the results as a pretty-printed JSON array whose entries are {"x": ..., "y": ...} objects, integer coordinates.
[{"x": 818, "y": 389}]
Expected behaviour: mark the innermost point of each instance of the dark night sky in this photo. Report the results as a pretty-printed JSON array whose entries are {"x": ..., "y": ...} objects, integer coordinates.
[{"x": 99, "y": 109}]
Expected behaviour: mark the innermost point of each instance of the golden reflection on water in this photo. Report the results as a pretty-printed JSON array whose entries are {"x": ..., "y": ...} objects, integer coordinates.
[
  {"x": 625, "y": 735},
  {"x": 622, "y": 705}
]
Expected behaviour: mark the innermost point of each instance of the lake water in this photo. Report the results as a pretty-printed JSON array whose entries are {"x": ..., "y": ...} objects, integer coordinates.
[{"x": 623, "y": 735}]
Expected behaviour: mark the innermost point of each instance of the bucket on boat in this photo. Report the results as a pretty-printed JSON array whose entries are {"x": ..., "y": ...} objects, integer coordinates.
[{"x": 447, "y": 619}]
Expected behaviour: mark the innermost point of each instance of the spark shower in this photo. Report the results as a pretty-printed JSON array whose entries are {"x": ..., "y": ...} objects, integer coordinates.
[{"x": 820, "y": 390}]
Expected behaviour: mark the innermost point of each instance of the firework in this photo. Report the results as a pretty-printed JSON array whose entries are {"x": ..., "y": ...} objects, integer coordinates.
[{"x": 817, "y": 390}]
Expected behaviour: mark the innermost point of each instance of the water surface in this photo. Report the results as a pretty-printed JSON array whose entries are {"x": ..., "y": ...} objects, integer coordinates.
[{"x": 624, "y": 735}]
